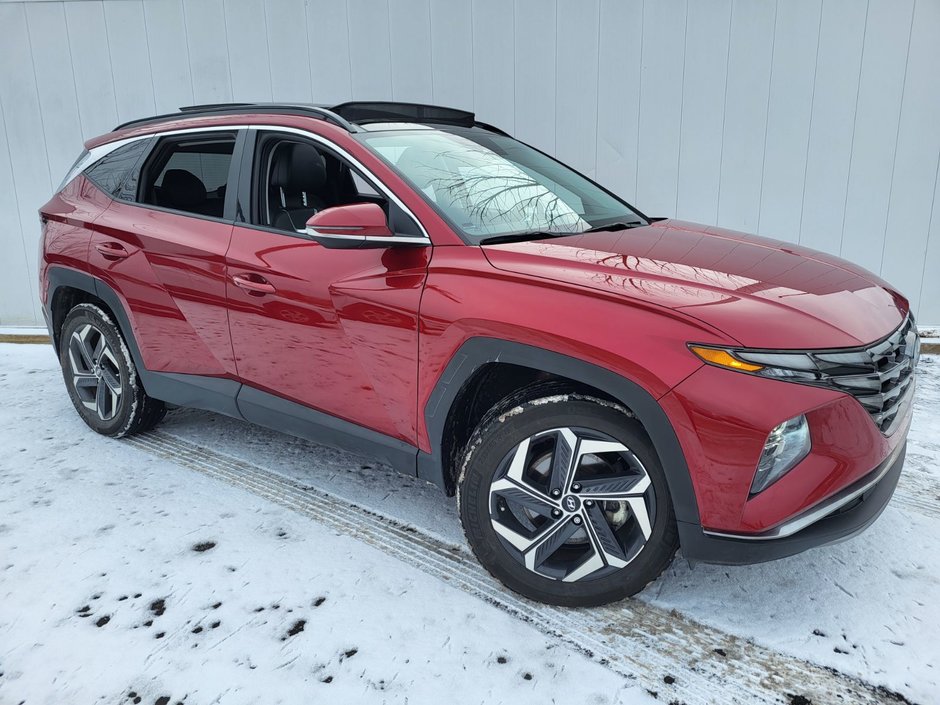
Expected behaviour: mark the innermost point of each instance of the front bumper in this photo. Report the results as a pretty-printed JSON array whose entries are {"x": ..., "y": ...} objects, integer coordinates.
[
  {"x": 722, "y": 419},
  {"x": 843, "y": 516}
]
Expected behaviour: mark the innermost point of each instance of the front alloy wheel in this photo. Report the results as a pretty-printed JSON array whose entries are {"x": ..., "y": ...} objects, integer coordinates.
[
  {"x": 564, "y": 500},
  {"x": 572, "y": 504}
]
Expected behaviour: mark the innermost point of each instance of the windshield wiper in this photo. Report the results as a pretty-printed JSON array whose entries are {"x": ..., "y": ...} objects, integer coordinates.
[
  {"x": 620, "y": 225},
  {"x": 545, "y": 234},
  {"x": 523, "y": 237}
]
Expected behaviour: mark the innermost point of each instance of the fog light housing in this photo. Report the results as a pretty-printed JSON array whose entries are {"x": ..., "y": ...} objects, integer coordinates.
[{"x": 786, "y": 446}]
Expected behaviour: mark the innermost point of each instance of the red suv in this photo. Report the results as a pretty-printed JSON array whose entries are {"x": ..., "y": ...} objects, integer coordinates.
[{"x": 597, "y": 387}]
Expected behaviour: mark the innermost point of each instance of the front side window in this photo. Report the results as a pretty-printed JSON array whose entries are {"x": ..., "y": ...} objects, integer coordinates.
[
  {"x": 116, "y": 173},
  {"x": 189, "y": 173},
  {"x": 296, "y": 179},
  {"x": 490, "y": 185}
]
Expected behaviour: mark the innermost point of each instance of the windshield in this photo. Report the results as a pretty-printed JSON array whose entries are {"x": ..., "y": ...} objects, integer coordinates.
[{"x": 489, "y": 185}]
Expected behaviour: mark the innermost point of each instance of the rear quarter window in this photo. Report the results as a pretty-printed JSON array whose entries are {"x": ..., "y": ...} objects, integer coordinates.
[{"x": 116, "y": 173}]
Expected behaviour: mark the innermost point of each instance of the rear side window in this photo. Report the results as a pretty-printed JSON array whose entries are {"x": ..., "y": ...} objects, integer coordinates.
[
  {"x": 189, "y": 174},
  {"x": 209, "y": 167},
  {"x": 116, "y": 174}
]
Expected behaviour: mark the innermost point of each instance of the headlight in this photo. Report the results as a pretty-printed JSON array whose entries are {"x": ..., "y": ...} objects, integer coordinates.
[
  {"x": 796, "y": 367},
  {"x": 786, "y": 446}
]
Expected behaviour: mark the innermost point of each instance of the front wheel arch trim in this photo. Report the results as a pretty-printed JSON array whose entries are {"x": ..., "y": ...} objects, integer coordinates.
[{"x": 482, "y": 350}]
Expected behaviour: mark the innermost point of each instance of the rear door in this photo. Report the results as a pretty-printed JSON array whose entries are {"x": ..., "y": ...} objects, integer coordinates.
[
  {"x": 161, "y": 245},
  {"x": 332, "y": 330}
]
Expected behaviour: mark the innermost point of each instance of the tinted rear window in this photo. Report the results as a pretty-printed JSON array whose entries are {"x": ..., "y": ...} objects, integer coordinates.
[{"x": 189, "y": 173}]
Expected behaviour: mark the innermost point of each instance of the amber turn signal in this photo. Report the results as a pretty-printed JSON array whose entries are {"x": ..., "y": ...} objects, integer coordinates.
[{"x": 723, "y": 358}]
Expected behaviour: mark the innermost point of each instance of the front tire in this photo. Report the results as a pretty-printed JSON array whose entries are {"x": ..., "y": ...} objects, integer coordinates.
[
  {"x": 563, "y": 499},
  {"x": 101, "y": 377}
]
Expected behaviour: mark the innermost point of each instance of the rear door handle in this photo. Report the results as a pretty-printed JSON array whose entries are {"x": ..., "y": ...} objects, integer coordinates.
[
  {"x": 112, "y": 250},
  {"x": 254, "y": 284}
]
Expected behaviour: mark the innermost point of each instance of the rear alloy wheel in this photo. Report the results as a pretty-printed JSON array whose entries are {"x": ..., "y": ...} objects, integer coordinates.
[
  {"x": 100, "y": 375},
  {"x": 96, "y": 373},
  {"x": 563, "y": 499}
]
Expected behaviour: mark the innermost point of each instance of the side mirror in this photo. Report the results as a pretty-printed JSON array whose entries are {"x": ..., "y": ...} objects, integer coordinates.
[{"x": 356, "y": 226}]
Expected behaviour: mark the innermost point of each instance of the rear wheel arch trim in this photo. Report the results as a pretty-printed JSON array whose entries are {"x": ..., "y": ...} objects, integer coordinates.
[
  {"x": 476, "y": 352},
  {"x": 64, "y": 277},
  {"x": 212, "y": 393}
]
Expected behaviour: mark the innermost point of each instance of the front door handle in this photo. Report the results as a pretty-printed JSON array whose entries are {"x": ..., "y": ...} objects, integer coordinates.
[
  {"x": 254, "y": 284},
  {"x": 112, "y": 250}
]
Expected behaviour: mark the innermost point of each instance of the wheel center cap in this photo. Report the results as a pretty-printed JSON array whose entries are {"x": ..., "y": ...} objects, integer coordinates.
[{"x": 571, "y": 503}]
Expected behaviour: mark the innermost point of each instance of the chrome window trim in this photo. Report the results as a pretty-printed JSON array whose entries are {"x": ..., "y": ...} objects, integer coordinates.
[
  {"x": 94, "y": 154},
  {"x": 425, "y": 240},
  {"x": 103, "y": 150}
]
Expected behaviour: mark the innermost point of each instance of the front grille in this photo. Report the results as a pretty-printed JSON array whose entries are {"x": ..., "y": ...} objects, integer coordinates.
[{"x": 880, "y": 376}]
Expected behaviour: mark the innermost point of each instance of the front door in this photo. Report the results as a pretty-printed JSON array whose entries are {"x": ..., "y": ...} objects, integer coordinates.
[{"x": 332, "y": 330}]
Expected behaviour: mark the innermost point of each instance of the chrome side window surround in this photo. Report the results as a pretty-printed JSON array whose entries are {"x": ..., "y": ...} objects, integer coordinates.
[
  {"x": 91, "y": 156},
  {"x": 96, "y": 153},
  {"x": 103, "y": 150},
  {"x": 385, "y": 190}
]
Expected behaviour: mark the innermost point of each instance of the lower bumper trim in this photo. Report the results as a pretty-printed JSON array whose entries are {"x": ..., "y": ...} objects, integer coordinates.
[
  {"x": 824, "y": 508},
  {"x": 848, "y": 514}
]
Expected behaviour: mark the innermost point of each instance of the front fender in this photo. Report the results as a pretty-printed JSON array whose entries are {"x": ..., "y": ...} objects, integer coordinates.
[{"x": 480, "y": 351}]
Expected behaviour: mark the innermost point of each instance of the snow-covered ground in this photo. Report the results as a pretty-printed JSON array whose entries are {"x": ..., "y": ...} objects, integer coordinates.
[{"x": 190, "y": 567}]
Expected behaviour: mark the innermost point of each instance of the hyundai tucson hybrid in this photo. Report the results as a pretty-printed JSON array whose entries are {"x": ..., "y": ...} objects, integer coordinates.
[{"x": 598, "y": 388}]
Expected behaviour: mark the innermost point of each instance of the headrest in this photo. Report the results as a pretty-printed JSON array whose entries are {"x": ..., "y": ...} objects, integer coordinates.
[
  {"x": 182, "y": 189},
  {"x": 298, "y": 167}
]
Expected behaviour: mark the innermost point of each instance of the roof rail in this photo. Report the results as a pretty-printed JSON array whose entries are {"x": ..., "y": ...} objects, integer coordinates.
[
  {"x": 345, "y": 115},
  {"x": 210, "y": 106},
  {"x": 211, "y": 109}
]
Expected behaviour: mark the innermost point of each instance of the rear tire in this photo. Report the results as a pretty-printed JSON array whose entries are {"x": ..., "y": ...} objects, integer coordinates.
[
  {"x": 563, "y": 499},
  {"x": 101, "y": 377}
]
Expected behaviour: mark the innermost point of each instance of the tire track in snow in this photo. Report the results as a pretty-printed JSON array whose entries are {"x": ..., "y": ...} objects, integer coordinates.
[
  {"x": 918, "y": 490},
  {"x": 638, "y": 641}
]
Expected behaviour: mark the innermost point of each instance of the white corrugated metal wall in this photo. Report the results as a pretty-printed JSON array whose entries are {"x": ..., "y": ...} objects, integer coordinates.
[{"x": 814, "y": 121}]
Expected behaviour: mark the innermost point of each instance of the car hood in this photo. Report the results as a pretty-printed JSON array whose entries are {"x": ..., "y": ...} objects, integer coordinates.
[{"x": 762, "y": 293}]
